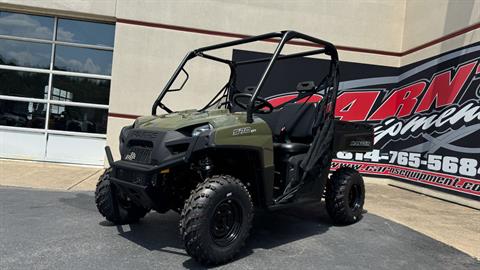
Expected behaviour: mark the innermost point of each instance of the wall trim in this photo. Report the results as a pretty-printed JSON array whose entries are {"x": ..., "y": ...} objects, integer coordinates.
[
  {"x": 123, "y": 115},
  {"x": 303, "y": 43},
  {"x": 443, "y": 38},
  {"x": 67, "y": 14},
  {"x": 237, "y": 35},
  {"x": 300, "y": 43}
]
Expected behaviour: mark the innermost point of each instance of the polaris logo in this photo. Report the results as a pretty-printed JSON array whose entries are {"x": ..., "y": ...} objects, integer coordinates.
[
  {"x": 131, "y": 156},
  {"x": 144, "y": 134}
]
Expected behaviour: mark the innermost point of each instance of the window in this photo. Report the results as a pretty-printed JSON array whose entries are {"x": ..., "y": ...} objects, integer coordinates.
[
  {"x": 78, "y": 119},
  {"x": 22, "y": 114},
  {"x": 85, "y": 32},
  {"x": 28, "y": 26},
  {"x": 83, "y": 60},
  {"x": 78, "y": 89},
  {"x": 23, "y": 84},
  {"x": 54, "y": 77},
  {"x": 25, "y": 54},
  {"x": 62, "y": 64}
]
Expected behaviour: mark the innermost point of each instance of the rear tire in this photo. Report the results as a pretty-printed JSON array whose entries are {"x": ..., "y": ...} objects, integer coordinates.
[
  {"x": 216, "y": 220},
  {"x": 114, "y": 208},
  {"x": 345, "y": 196}
]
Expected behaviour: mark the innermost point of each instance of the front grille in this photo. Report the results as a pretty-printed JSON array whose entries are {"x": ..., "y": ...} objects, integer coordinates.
[{"x": 139, "y": 154}]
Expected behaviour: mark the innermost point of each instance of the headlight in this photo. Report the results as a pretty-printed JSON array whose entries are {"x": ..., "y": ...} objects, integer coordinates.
[{"x": 199, "y": 130}]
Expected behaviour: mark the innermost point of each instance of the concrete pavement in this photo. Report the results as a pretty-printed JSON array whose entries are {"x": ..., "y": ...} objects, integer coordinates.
[
  {"x": 452, "y": 224},
  {"x": 47, "y": 175},
  {"x": 63, "y": 230}
]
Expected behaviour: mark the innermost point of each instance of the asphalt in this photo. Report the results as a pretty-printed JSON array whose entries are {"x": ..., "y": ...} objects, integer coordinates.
[{"x": 63, "y": 230}]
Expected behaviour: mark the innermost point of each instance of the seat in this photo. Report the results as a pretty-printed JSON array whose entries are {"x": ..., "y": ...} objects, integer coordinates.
[
  {"x": 292, "y": 123},
  {"x": 291, "y": 148}
]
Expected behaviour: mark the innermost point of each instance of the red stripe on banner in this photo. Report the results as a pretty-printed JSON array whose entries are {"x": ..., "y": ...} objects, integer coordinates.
[
  {"x": 301, "y": 43},
  {"x": 457, "y": 180}
]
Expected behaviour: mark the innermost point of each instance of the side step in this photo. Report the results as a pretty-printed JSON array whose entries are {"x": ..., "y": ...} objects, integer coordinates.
[{"x": 298, "y": 202}]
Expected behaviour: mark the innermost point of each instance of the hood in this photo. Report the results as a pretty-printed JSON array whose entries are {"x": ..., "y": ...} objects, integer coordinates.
[{"x": 177, "y": 120}]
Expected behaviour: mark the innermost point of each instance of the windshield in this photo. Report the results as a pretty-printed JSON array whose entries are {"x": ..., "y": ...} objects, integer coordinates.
[{"x": 205, "y": 79}]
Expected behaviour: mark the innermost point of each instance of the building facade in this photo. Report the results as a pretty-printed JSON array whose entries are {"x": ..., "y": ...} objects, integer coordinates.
[{"x": 72, "y": 73}]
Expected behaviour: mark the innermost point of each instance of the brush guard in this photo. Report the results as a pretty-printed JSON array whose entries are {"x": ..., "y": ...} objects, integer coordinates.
[{"x": 137, "y": 180}]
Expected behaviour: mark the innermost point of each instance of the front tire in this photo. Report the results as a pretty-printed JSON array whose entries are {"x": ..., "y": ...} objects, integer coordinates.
[
  {"x": 345, "y": 196},
  {"x": 112, "y": 206},
  {"x": 216, "y": 220}
]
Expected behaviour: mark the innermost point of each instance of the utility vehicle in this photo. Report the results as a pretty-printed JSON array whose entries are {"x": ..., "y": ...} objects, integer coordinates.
[{"x": 216, "y": 164}]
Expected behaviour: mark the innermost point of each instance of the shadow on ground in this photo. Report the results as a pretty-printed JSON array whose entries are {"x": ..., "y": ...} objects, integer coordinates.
[
  {"x": 275, "y": 239},
  {"x": 270, "y": 229},
  {"x": 274, "y": 229},
  {"x": 83, "y": 201},
  {"x": 159, "y": 232}
]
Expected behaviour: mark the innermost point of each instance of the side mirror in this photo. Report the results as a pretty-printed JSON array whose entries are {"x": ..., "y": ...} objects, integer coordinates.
[
  {"x": 183, "y": 83},
  {"x": 307, "y": 86}
]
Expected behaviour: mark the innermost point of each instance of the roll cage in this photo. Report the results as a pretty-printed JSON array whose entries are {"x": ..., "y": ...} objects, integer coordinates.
[{"x": 329, "y": 83}]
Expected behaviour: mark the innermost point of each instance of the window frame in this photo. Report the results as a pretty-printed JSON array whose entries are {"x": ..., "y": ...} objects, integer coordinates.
[{"x": 51, "y": 72}]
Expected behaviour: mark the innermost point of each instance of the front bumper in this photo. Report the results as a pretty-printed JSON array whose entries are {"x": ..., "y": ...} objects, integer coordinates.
[
  {"x": 137, "y": 173},
  {"x": 137, "y": 180}
]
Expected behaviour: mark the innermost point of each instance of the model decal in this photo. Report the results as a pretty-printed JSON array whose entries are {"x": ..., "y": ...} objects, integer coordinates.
[{"x": 243, "y": 131}]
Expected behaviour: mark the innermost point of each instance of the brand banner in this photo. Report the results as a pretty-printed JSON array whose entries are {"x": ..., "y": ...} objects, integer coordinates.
[{"x": 426, "y": 115}]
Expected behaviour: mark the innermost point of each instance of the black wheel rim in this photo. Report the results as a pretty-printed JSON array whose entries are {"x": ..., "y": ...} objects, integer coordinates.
[
  {"x": 123, "y": 201},
  {"x": 226, "y": 222},
  {"x": 354, "y": 197}
]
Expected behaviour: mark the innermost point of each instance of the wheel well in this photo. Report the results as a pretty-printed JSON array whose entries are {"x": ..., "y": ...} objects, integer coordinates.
[{"x": 244, "y": 164}]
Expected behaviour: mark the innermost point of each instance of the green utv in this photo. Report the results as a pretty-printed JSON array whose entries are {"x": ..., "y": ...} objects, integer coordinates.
[{"x": 215, "y": 164}]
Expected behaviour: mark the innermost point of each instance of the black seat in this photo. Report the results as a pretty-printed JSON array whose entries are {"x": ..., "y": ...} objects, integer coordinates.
[
  {"x": 291, "y": 148},
  {"x": 293, "y": 123}
]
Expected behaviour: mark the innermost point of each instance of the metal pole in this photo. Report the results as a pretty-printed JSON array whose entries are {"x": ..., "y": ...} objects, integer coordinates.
[{"x": 286, "y": 36}]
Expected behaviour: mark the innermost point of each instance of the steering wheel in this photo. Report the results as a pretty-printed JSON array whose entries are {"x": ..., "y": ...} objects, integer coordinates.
[{"x": 259, "y": 103}]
